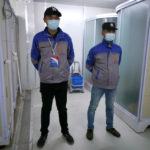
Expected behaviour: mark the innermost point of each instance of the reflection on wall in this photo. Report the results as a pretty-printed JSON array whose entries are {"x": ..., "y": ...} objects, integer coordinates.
[
  {"x": 132, "y": 22},
  {"x": 146, "y": 103},
  {"x": 89, "y": 43}
]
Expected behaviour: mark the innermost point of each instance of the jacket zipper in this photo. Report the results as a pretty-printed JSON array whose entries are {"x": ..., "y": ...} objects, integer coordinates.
[
  {"x": 115, "y": 59},
  {"x": 107, "y": 66}
]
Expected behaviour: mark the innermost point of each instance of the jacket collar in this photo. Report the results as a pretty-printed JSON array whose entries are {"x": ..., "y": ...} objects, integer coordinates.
[
  {"x": 104, "y": 42},
  {"x": 60, "y": 32}
]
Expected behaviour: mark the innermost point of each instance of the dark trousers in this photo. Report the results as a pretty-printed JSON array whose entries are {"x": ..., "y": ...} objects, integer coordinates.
[{"x": 48, "y": 92}]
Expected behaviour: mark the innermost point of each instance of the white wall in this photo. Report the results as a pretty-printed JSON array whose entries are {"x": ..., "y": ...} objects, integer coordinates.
[
  {"x": 72, "y": 22},
  {"x": 90, "y": 12},
  {"x": 25, "y": 14}
]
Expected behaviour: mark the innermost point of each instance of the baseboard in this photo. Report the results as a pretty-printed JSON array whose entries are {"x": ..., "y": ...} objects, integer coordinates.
[{"x": 131, "y": 120}]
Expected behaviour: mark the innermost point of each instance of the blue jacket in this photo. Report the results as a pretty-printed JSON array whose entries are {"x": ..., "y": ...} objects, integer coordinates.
[
  {"x": 42, "y": 52},
  {"x": 104, "y": 63}
]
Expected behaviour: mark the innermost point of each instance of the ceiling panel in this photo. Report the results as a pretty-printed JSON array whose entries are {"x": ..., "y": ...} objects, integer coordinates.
[{"x": 93, "y": 3}]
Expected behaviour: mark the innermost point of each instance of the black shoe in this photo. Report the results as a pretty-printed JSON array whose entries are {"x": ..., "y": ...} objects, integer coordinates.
[
  {"x": 41, "y": 141},
  {"x": 68, "y": 138},
  {"x": 113, "y": 131},
  {"x": 89, "y": 134}
]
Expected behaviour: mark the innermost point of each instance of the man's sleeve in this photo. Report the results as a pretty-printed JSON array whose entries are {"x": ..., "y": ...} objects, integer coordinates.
[
  {"x": 90, "y": 61},
  {"x": 35, "y": 54},
  {"x": 120, "y": 56},
  {"x": 70, "y": 51}
]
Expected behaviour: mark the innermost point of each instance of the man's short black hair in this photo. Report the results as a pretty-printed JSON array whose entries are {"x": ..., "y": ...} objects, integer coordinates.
[{"x": 52, "y": 11}]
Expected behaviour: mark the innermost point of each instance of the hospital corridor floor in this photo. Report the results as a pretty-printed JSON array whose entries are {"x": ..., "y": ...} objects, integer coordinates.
[{"x": 77, "y": 119}]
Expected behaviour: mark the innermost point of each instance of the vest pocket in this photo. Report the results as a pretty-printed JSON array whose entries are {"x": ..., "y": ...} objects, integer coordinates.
[{"x": 97, "y": 75}]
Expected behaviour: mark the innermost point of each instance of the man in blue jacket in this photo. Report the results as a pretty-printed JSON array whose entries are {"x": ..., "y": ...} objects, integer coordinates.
[
  {"x": 52, "y": 54},
  {"x": 103, "y": 61}
]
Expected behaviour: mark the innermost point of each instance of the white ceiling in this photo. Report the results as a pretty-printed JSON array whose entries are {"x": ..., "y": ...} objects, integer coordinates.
[{"x": 93, "y": 3}]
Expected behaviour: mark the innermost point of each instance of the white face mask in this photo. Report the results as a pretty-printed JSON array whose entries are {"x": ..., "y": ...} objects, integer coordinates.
[
  {"x": 53, "y": 24},
  {"x": 109, "y": 36}
]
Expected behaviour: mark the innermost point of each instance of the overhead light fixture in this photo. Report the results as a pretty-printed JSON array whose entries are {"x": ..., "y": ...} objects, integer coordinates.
[{"x": 26, "y": 1}]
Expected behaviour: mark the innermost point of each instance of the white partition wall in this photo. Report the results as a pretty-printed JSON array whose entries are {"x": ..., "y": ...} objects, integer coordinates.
[
  {"x": 8, "y": 71},
  {"x": 93, "y": 36},
  {"x": 3, "y": 113},
  {"x": 133, "y": 98}
]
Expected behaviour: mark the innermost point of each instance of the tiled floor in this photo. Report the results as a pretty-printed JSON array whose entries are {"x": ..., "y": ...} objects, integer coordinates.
[{"x": 77, "y": 118}]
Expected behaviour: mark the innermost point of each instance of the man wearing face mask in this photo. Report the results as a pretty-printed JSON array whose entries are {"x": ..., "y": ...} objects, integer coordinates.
[
  {"x": 52, "y": 53},
  {"x": 103, "y": 61}
]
